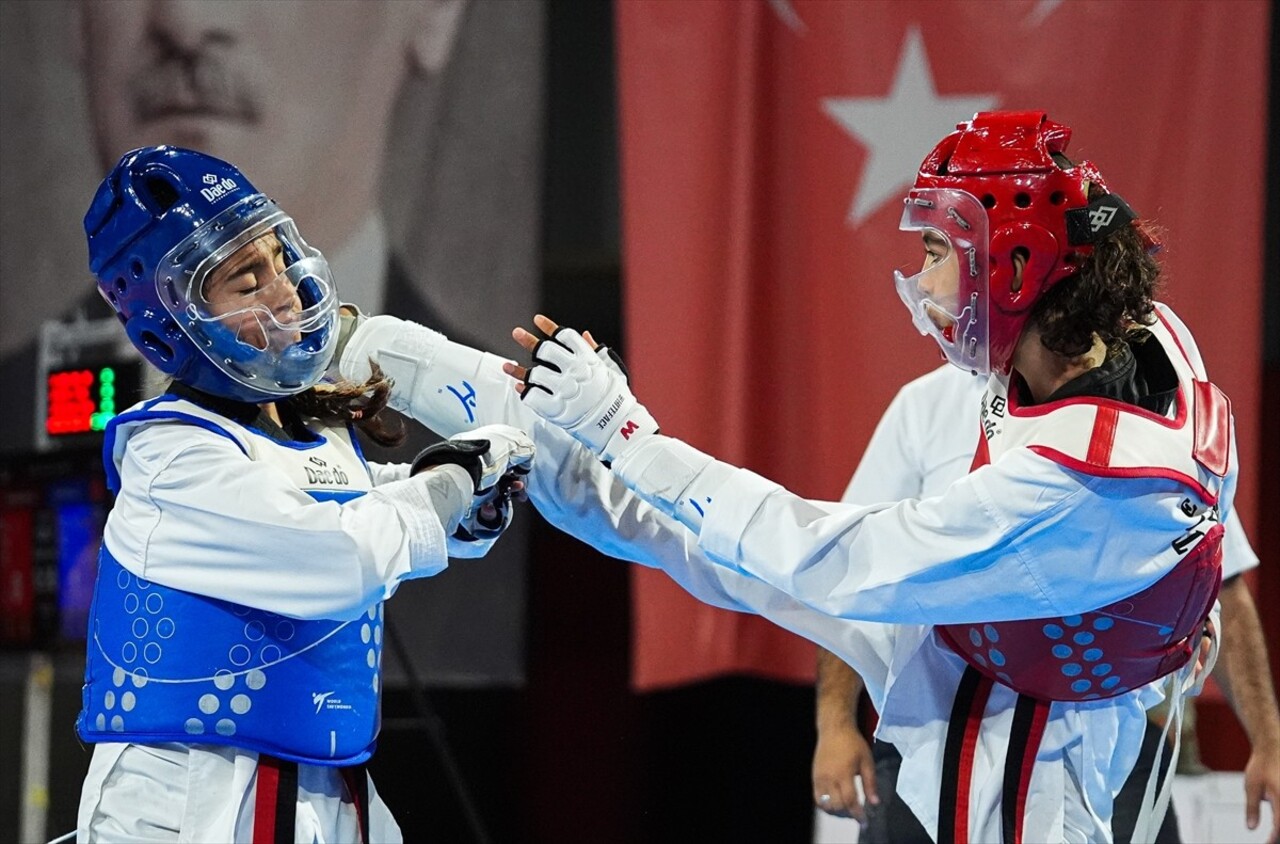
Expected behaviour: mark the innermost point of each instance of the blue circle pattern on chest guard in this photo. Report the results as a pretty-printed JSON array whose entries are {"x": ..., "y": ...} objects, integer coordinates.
[
  {"x": 1106, "y": 652},
  {"x": 1063, "y": 653},
  {"x": 166, "y": 665}
]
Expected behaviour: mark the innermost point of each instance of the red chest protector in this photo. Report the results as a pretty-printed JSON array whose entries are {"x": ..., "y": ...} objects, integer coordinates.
[{"x": 1152, "y": 633}]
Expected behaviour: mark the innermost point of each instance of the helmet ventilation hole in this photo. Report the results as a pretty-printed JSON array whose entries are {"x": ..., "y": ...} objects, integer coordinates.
[
  {"x": 238, "y": 369},
  {"x": 121, "y": 286},
  {"x": 135, "y": 267},
  {"x": 1057, "y": 197},
  {"x": 162, "y": 193},
  {"x": 988, "y": 201},
  {"x": 162, "y": 349},
  {"x": 1022, "y": 199}
]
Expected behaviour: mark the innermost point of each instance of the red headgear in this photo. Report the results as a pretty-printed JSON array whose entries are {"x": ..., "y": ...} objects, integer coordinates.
[{"x": 1013, "y": 166}]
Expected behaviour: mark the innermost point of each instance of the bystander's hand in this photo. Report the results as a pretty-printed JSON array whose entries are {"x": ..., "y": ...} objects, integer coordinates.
[
  {"x": 1262, "y": 782},
  {"x": 841, "y": 757}
]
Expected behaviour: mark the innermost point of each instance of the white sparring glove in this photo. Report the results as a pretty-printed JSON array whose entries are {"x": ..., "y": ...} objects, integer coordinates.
[
  {"x": 573, "y": 387},
  {"x": 494, "y": 456}
]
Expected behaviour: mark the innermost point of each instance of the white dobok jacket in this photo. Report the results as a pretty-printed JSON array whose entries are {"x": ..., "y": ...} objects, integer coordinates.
[{"x": 222, "y": 510}]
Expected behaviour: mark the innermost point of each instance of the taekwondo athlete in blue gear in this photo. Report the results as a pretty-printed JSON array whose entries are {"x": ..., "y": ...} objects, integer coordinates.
[{"x": 237, "y": 621}]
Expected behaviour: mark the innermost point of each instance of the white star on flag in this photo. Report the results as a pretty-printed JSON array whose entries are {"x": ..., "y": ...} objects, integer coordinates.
[{"x": 899, "y": 128}]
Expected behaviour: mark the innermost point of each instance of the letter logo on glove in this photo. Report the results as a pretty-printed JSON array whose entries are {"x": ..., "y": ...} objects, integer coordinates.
[
  {"x": 610, "y": 413},
  {"x": 628, "y": 429}
]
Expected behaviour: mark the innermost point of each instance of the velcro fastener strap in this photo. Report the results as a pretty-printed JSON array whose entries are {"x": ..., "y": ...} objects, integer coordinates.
[{"x": 1098, "y": 219}]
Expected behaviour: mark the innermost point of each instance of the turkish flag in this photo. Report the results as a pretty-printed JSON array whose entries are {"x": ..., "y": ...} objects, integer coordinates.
[{"x": 766, "y": 147}]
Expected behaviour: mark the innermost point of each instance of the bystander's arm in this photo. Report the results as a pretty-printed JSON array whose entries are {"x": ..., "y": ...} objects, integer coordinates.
[
  {"x": 842, "y": 754},
  {"x": 1245, "y": 678}
]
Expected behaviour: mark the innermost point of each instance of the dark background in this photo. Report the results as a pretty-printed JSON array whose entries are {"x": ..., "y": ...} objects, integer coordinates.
[{"x": 575, "y": 755}]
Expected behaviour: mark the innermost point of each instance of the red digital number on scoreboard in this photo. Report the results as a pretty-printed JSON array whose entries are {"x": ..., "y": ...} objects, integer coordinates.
[{"x": 71, "y": 405}]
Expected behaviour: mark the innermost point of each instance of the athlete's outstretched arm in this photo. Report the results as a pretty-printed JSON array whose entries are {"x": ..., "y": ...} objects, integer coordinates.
[
  {"x": 1002, "y": 543},
  {"x": 450, "y": 388}
]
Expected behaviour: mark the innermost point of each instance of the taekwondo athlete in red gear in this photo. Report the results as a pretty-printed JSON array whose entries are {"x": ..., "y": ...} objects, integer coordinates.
[
  {"x": 1092, "y": 520},
  {"x": 917, "y": 451}
]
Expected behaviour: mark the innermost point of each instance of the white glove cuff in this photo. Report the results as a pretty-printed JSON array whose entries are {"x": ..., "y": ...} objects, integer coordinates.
[
  {"x": 638, "y": 425},
  {"x": 673, "y": 476}
]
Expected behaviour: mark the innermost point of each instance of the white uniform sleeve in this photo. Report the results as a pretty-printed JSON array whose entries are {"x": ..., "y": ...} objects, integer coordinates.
[
  {"x": 924, "y": 441},
  {"x": 194, "y": 513},
  {"x": 1022, "y": 538},
  {"x": 888, "y": 470},
  {"x": 1238, "y": 555},
  {"x": 577, "y": 494},
  {"x": 383, "y": 473}
]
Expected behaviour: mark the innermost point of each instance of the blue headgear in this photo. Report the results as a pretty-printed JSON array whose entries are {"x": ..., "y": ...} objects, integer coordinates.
[{"x": 161, "y": 225}]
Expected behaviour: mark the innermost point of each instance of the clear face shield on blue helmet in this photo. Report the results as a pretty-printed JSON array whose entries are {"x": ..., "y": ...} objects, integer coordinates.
[{"x": 254, "y": 297}]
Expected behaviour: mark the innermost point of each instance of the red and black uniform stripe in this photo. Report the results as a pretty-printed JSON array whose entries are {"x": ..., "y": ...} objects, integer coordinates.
[
  {"x": 1029, "y": 719},
  {"x": 276, "y": 799}
]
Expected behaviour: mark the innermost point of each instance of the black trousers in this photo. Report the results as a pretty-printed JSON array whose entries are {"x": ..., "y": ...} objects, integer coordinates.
[{"x": 893, "y": 823}]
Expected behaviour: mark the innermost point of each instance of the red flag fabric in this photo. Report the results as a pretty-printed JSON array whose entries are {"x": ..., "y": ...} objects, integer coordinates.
[{"x": 766, "y": 146}]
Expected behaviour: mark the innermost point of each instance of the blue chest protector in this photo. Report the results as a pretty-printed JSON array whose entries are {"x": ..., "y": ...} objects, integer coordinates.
[{"x": 171, "y": 666}]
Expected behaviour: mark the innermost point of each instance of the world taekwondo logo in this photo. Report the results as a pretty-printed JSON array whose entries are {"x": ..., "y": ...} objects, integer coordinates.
[
  {"x": 326, "y": 701},
  {"x": 1101, "y": 217}
]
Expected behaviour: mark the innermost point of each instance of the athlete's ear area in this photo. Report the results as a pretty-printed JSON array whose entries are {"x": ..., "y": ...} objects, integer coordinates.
[
  {"x": 1020, "y": 257},
  {"x": 433, "y": 32}
]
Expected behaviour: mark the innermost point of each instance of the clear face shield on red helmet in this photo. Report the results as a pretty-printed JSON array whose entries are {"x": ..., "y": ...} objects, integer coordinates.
[{"x": 948, "y": 298}]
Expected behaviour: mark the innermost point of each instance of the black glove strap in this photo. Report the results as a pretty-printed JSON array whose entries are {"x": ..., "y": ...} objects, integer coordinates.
[
  {"x": 469, "y": 454},
  {"x": 617, "y": 359}
]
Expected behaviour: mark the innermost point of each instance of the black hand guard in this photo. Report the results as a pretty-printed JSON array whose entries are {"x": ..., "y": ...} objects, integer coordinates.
[{"x": 469, "y": 454}]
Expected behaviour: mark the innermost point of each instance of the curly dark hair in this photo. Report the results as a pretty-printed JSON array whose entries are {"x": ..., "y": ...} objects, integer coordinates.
[
  {"x": 358, "y": 403},
  {"x": 1112, "y": 296}
]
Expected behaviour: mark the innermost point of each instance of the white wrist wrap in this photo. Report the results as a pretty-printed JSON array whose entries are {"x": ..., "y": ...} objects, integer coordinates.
[
  {"x": 674, "y": 477},
  {"x": 429, "y": 504}
]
